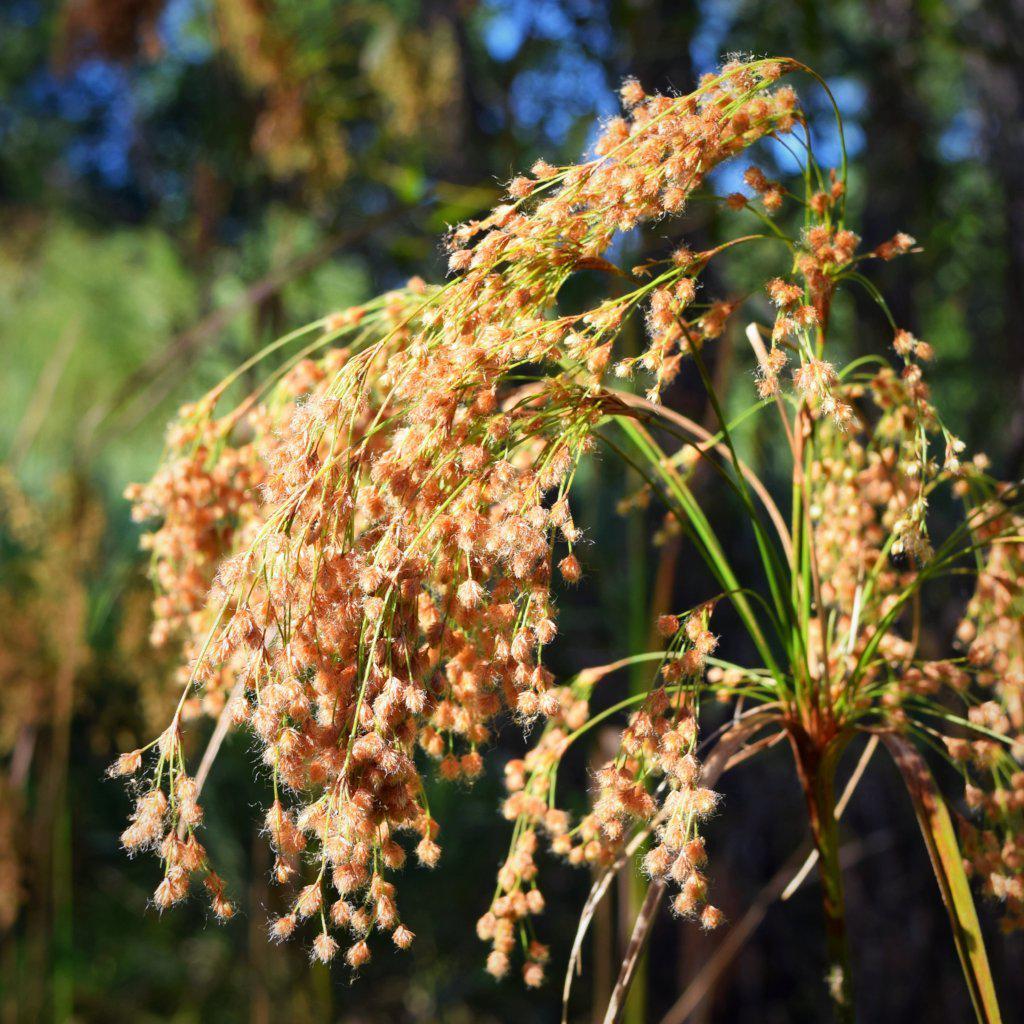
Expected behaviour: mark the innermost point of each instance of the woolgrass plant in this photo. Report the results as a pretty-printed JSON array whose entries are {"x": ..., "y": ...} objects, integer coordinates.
[{"x": 362, "y": 559}]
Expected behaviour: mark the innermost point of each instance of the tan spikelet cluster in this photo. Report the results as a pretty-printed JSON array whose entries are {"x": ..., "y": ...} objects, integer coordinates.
[
  {"x": 660, "y": 743},
  {"x": 871, "y": 491},
  {"x": 380, "y": 543},
  {"x": 863, "y": 493},
  {"x": 653, "y": 784},
  {"x": 368, "y": 551},
  {"x": 992, "y": 633}
]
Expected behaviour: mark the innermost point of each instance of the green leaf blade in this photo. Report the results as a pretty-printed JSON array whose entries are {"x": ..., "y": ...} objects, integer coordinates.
[{"x": 944, "y": 852}]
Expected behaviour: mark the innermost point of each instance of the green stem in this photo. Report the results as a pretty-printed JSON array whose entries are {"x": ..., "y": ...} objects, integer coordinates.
[
  {"x": 638, "y": 630},
  {"x": 816, "y": 769}
]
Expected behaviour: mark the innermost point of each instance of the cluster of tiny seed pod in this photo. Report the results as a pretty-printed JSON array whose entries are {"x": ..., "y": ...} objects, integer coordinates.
[
  {"x": 653, "y": 783},
  {"x": 166, "y": 822},
  {"x": 659, "y": 752},
  {"x": 992, "y": 635},
  {"x": 363, "y": 552},
  {"x": 366, "y": 553}
]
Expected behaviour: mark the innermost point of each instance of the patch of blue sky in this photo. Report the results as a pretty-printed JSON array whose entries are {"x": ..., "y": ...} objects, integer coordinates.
[
  {"x": 961, "y": 139},
  {"x": 181, "y": 31},
  {"x": 568, "y": 81},
  {"x": 850, "y": 96},
  {"x": 714, "y": 23},
  {"x": 552, "y": 99},
  {"x": 504, "y": 33},
  {"x": 104, "y": 100},
  {"x": 96, "y": 97},
  {"x": 508, "y": 24}
]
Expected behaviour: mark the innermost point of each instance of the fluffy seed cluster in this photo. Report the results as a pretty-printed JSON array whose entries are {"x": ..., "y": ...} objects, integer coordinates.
[
  {"x": 992, "y": 634},
  {"x": 651, "y": 785},
  {"x": 871, "y": 486},
  {"x": 659, "y": 745},
  {"x": 362, "y": 559},
  {"x": 364, "y": 551}
]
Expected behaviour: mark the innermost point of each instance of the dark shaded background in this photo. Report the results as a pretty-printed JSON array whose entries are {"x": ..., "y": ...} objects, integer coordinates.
[{"x": 181, "y": 181}]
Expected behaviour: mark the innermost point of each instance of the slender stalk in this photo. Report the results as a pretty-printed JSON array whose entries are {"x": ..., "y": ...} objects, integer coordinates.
[
  {"x": 816, "y": 770},
  {"x": 635, "y": 889}
]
